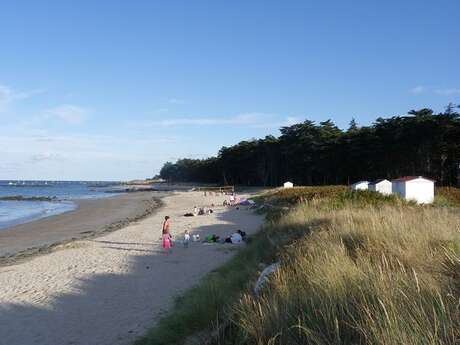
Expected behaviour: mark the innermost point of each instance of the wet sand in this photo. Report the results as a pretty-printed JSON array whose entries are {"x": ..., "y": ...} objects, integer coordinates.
[{"x": 92, "y": 217}]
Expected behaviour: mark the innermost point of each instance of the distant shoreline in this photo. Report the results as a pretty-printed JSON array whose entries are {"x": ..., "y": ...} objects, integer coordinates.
[{"x": 92, "y": 218}]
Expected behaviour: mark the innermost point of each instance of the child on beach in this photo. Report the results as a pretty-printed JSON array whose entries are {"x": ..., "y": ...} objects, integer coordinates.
[
  {"x": 186, "y": 239},
  {"x": 166, "y": 236}
]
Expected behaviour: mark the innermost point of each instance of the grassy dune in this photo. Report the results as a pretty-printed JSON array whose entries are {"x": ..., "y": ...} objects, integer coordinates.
[
  {"x": 359, "y": 274},
  {"x": 356, "y": 268}
]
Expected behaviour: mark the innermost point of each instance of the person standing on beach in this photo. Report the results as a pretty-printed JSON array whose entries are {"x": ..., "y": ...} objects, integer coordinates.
[{"x": 166, "y": 235}]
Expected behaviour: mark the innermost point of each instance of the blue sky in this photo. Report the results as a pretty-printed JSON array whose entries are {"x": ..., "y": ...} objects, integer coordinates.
[{"x": 99, "y": 89}]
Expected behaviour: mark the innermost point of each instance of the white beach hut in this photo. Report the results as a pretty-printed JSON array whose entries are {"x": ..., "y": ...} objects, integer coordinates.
[
  {"x": 361, "y": 185},
  {"x": 381, "y": 186},
  {"x": 416, "y": 188},
  {"x": 288, "y": 184}
]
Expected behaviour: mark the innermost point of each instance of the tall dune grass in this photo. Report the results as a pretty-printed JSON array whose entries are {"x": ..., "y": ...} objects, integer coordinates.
[
  {"x": 447, "y": 196},
  {"x": 298, "y": 195},
  {"x": 359, "y": 274}
]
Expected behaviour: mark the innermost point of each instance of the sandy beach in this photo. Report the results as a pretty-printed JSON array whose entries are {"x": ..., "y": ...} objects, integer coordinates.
[
  {"x": 92, "y": 217},
  {"x": 110, "y": 289}
]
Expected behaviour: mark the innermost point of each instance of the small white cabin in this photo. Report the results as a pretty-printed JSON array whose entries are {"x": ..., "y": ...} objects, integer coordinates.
[
  {"x": 361, "y": 185},
  {"x": 288, "y": 184},
  {"x": 415, "y": 188},
  {"x": 381, "y": 186}
]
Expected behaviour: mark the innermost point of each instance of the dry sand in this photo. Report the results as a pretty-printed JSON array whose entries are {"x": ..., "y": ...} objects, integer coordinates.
[{"x": 109, "y": 290}]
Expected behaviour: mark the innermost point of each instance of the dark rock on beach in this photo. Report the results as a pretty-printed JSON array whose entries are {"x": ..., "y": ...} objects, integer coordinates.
[
  {"x": 27, "y": 198},
  {"x": 133, "y": 190}
]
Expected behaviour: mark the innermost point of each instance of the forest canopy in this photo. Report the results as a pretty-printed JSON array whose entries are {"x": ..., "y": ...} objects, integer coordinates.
[{"x": 419, "y": 143}]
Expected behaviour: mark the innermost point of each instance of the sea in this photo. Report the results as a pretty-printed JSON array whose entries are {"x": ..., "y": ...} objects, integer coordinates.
[{"x": 26, "y": 201}]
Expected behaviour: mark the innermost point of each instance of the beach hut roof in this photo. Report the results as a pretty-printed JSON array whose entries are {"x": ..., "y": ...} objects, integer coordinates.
[
  {"x": 410, "y": 178},
  {"x": 378, "y": 181}
]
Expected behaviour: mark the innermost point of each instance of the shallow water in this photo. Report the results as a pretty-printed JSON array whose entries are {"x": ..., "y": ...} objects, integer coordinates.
[
  {"x": 14, "y": 212},
  {"x": 18, "y": 212}
]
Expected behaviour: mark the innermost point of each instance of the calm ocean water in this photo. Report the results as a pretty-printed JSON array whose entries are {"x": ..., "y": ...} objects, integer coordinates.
[{"x": 13, "y": 212}]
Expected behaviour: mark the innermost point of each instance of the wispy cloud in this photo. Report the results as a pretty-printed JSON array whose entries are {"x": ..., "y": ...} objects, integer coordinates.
[
  {"x": 418, "y": 89},
  {"x": 175, "y": 101},
  {"x": 10, "y": 167},
  {"x": 6, "y": 94},
  {"x": 254, "y": 120},
  {"x": 9, "y": 95},
  {"x": 292, "y": 120},
  {"x": 46, "y": 156},
  {"x": 28, "y": 94},
  {"x": 237, "y": 120},
  {"x": 436, "y": 90},
  {"x": 274, "y": 122},
  {"x": 71, "y": 114},
  {"x": 447, "y": 92}
]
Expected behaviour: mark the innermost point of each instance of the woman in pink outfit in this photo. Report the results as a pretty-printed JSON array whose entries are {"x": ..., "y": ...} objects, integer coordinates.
[{"x": 166, "y": 235}]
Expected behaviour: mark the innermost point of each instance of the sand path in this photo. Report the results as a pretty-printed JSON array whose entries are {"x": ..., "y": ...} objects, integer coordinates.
[{"x": 109, "y": 290}]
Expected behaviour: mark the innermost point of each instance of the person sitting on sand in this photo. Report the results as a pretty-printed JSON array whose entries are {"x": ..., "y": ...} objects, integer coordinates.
[
  {"x": 236, "y": 237},
  {"x": 211, "y": 239},
  {"x": 166, "y": 235}
]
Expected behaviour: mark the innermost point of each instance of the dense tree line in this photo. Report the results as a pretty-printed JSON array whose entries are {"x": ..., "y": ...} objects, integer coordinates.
[{"x": 420, "y": 143}]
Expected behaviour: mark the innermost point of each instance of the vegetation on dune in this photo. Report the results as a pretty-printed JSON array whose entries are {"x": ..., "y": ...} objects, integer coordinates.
[
  {"x": 367, "y": 275},
  {"x": 447, "y": 196},
  {"x": 419, "y": 143},
  {"x": 356, "y": 268},
  {"x": 292, "y": 196},
  {"x": 337, "y": 195}
]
